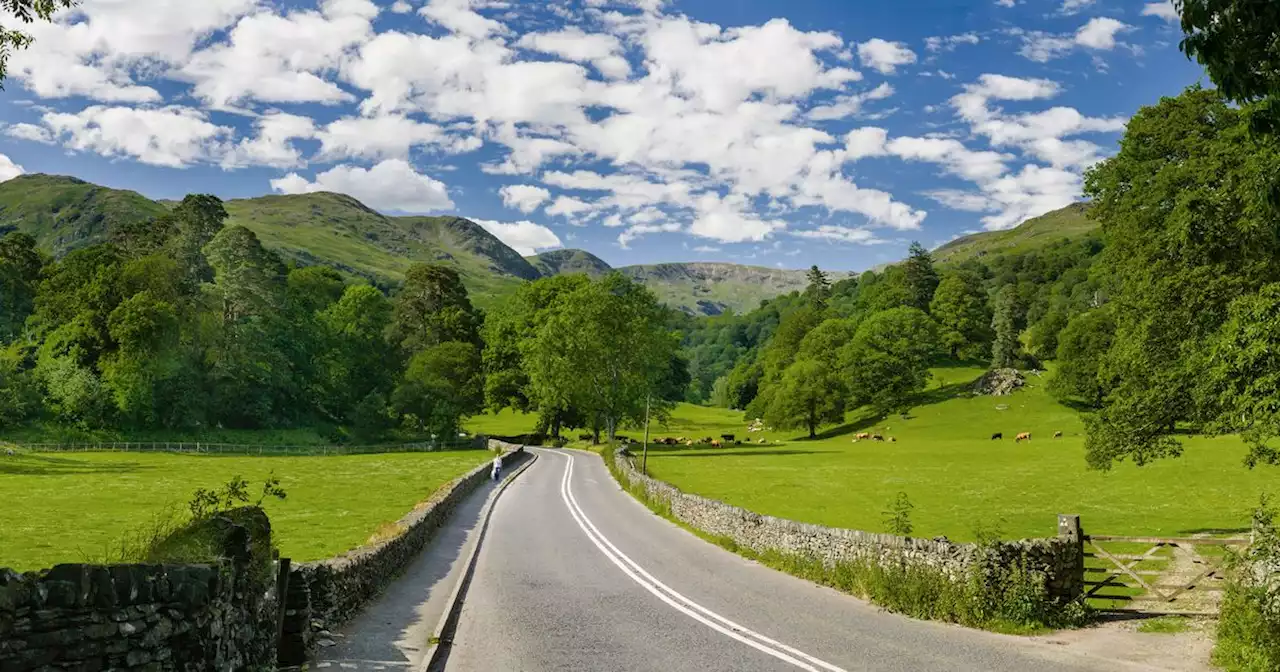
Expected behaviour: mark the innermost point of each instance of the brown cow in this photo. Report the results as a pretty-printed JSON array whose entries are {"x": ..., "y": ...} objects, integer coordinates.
[
  {"x": 715, "y": 443},
  {"x": 862, "y": 435},
  {"x": 1022, "y": 436}
]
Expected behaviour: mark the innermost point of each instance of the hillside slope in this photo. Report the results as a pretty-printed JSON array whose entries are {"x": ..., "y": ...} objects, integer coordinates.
[
  {"x": 1069, "y": 222},
  {"x": 63, "y": 213},
  {"x": 558, "y": 262},
  {"x": 706, "y": 288}
]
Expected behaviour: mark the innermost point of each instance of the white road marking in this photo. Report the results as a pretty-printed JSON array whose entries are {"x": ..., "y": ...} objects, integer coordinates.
[{"x": 677, "y": 601}]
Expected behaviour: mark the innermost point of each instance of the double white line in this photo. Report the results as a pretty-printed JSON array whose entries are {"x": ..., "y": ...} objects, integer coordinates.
[{"x": 677, "y": 601}]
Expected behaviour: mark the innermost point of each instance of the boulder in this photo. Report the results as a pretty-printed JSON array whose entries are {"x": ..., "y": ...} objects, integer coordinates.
[{"x": 999, "y": 382}]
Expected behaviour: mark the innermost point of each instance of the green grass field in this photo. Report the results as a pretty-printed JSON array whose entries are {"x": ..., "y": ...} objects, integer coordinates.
[
  {"x": 74, "y": 507},
  {"x": 959, "y": 480}
]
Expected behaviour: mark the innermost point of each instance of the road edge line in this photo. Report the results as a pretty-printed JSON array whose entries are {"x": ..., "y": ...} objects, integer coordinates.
[{"x": 436, "y": 653}]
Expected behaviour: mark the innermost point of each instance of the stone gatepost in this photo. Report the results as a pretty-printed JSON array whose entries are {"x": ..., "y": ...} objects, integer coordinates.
[{"x": 1070, "y": 532}]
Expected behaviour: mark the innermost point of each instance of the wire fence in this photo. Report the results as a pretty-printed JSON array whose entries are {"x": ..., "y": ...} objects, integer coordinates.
[{"x": 205, "y": 448}]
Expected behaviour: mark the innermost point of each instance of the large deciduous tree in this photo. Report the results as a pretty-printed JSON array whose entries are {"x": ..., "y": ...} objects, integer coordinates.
[
  {"x": 605, "y": 349},
  {"x": 888, "y": 358},
  {"x": 433, "y": 308},
  {"x": 960, "y": 308},
  {"x": 1189, "y": 228},
  {"x": 1005, "y": 328}
]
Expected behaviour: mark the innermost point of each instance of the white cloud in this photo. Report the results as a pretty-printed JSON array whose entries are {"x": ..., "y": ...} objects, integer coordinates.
[
  {"x": 706, "y": 249},
  {"x": 1163, "y": 9},
  {"x": 972, "y": 165},
  {"x": 842, "y": 234},
  {"x": 950, "y": 42},
  {"x": 273, "y": 145},
  {"x": 1074, "y": 6},
  {"x": 170, "y": 136},
  {"x": 865, "y": 142},
  {"x": 401, "y": 7},
  {"x": 388, "y": 136},
  {"x": 1100, "y": 32},
  {"x": 281, "y": 58},
  {"x": 725, "y": 220},
  {"x": 885, "y": 56},
  {"x": 850, "y": 104},
  {"x": 523, "y": 197},
  {"x": 525, "y": 237},
  {"x": 392, "y": 185},
  {"x": 568, "y": 206},
  {"x": 24, "y": 131},
  {"x": 601, "y": 50},
  {"x": 636, "y": 230},
  {"x": 9, "y": 169}
]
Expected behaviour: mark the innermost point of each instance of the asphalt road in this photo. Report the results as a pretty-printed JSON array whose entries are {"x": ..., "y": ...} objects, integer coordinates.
[{"x": 574, "y": 574}]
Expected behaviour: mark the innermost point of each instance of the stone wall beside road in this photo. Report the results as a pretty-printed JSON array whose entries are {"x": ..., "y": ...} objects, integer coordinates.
[
  {"x": 332, "y": 591},
  {"x": 1060, "y": 558}
]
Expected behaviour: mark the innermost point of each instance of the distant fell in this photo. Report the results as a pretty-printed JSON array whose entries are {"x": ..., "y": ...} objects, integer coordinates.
[
  {"x": 709, "y": 288},
  {"x": 1070, "y": 222},
  {"x": 558, "y": 262},
  {"x": 63, "y": 213}
]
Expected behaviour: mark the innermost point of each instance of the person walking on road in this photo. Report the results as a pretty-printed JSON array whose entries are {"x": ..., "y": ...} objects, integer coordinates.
[{"x": 497, "y": 468}]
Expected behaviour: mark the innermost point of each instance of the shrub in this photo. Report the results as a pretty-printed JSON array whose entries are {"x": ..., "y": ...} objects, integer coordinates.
[{"x": 1249, "y": 620}]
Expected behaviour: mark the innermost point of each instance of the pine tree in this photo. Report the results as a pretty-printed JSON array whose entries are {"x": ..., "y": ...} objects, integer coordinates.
[
  {"x": 818, "y": 293},
  {"x": 921, "y": 277}
]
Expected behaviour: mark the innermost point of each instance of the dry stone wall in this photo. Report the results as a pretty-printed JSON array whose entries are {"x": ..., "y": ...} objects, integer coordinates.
[
  {"x": 1060, "y": 558},
  {"x": 327, "y": 593},
  {"x": 148, "y": 617}
]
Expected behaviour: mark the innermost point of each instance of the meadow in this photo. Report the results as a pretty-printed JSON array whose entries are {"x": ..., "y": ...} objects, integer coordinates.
[
  {"x": 73, "y": 507},
  {"x": 961, "y": 483}
]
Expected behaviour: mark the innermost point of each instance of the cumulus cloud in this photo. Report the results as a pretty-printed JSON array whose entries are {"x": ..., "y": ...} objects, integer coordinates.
[
  {"x": 524, "y": 197},
  {"x": 601, "y": 50},
  {"x": 273, "y": 146},
  {"x": 950, "y": 42},
  {"x": 841, "y": 234},
  {"x": 392, "y": 185},
  {"x": 1074, "y": 6},
  {"x": 850, "y": 104},
  {"x": 388, "y": 136},
  {"x": 9, "y": 169},
  {"x": 524, "y": 236},
  {"x": 885, "y": 56},
  {"x": 24, "y": 131},
  {"x": 1163, "y": 9},
  {"x": 172, "y": 136},
  {"x": 1098, "y": 34}
]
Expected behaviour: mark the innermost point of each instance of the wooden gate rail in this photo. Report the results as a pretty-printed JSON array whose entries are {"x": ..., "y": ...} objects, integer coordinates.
[{"x": 1126, "y": 564}]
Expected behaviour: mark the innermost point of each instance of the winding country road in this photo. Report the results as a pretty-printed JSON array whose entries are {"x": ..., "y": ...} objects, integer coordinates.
[{"x": 574, "y": 574}]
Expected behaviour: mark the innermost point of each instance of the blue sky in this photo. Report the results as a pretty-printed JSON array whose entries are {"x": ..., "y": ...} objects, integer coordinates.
[{"x": 752, "y": 131}]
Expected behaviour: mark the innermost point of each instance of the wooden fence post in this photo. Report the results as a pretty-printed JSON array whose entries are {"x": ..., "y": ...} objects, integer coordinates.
[{"x": 1069, "y": 529}]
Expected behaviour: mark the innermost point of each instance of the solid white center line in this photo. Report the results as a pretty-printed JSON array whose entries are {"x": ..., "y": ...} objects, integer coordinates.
[{"x": 674, "y": 599}]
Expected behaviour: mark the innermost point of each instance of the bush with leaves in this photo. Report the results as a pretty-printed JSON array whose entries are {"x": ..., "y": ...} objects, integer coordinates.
[{"x": 1249, "y": 620}]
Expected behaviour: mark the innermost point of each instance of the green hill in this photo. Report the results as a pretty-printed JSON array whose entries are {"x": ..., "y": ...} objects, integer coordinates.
[
  {"x": 705, "y": 288},
  {"x": 557, "y": 262},
  {"x": 1069, "y": 222},
  {"x": 339, "y": 231},
  {"x": 63, "y": 213}
]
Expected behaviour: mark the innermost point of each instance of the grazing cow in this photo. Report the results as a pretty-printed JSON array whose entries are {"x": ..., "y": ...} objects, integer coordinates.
[
  {"x": 997, "y": 436},
  {"x": 715, "y": 443},
  {"x": 1057, "y": 435},
  {"x": 877, "y": 437},
  {"x": 9, "y": 452},
  {"x": 862, "y": 435},
  {"x": 726, "y": 437},
  {"x": 737, "y": 443},
  {"x": 893, "y": 439},
  {"x": 708, "y": 440},
  {"x": 1022, "y": 436},
  {"x": 761, "y": 442}
]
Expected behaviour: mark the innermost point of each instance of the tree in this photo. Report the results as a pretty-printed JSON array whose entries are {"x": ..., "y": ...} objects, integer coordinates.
[
  {"x": 1082, "y": 345},
  {"x": 442, "y": 385},
  {"x": 603, "y": 349},
  {"x": 887, "y": 362},
  {"x": 1242, "y": 375},
  {"x": 809, "y": 394},
  {"x": 882, "y": 292},
  {"x": 1188, "y": 228},
  {"x": 196, "y": 221},
  {"x": 26, "y": 11},
  {"x": 780, "y": 352},
  {"x": 433, "y": 308},
  {"x": 960, "y": 308},
  {"x": 1236, "y": 42},
  {"x": 720, "y": 393},
  {"x": 20, "y": 265},
  {"x": 357, "y": 371},
  {"x": 818, "y": 293},
  {"x": 920, "y": 277},
  {"x": 1004, "y": 323}
]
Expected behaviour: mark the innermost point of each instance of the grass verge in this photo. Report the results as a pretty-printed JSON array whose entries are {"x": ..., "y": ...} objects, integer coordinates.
[{"x": 1012, "y": 600}]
